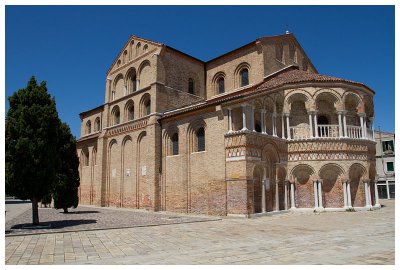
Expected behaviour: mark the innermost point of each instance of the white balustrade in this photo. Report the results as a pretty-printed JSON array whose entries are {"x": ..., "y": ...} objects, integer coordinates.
[
  {"x": 354, "y": 132},
  {"x": 328, "y": 131}
]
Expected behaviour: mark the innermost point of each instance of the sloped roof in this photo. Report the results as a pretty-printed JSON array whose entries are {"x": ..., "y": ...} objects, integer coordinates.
[
  {"x": 287, "y": 76},
  {"x": 292, "y": 74}
]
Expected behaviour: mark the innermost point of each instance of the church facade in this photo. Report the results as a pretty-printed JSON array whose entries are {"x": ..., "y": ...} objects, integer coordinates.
[{"x": 255, "y": 130}]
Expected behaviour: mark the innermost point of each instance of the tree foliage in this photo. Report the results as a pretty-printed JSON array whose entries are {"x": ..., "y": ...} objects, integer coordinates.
[
  {"x": 65, "y": 187},
  {"x": 36, "y": 141}
]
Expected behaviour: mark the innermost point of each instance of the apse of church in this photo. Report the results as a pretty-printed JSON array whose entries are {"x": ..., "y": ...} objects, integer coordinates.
[{"x": 255, "y": 130}]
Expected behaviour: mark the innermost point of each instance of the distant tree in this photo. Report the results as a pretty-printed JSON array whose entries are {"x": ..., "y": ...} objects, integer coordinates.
[
  {"x": 46, "y": 200},
  {"x": 31, "y": 140},
  {"x": 65, "y": 186}
]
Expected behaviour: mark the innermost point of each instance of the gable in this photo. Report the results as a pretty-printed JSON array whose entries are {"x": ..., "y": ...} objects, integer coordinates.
[{"x": 133, "y": 49}]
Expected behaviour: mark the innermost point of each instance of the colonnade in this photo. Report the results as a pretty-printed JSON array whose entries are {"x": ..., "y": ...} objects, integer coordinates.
[
  {"x": 248, "y": 122},
  {"x": 289, "y": 191}
]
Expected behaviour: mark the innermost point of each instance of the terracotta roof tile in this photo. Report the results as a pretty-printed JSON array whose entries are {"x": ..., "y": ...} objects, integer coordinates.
[{"x": 292, "y": 75}]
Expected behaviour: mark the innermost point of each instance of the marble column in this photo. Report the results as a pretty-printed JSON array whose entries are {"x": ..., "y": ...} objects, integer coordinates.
[
  {"x": 362, "y": 126},
  {"x": 283, "y": 125},
  {"x": 263, "y": 204},
  {"x": 340, "y": 125},
  {"x": 315, "y": 183},
  {"x": 344, "y": 124},
  {"x": 276, "y": 195},
  {"x": 244, "y": 117},
  {"x": 286, "y": 195},
  {"x": 310, "y": 124},
  {"x": 320, "y": 194},
  {"x": 348, "y": 194},
  {"x": 230, "y": 120},
  {"x": 274, "y": 124},
  {"x": 263, "y": 126},
  {"x": 367, "y": 198},
  {"x": 288, "y": 127},
  {"x": 292, "y": 203},
  {"x": 344, "y": 185},
  {"x": 316, "y": 125},
  {"x": 377, "y": 204}
]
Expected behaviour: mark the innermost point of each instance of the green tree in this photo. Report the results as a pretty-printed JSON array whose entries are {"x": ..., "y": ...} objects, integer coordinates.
[
  {"x": 65, "y": 187},
  {"x": 31, "y": 144}
]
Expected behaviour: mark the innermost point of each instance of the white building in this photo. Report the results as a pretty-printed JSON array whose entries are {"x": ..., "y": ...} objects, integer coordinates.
[{"x": 385, "y": 164}]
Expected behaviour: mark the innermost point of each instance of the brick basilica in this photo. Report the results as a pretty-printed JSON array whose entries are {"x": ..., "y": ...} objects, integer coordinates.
[{"x": 252, "y": 131}]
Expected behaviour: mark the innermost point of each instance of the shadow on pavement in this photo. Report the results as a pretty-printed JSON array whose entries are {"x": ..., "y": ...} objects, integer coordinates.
[
  {"x": 58, "y": 224},
  {"x": 17, "y": 202},
  {"x": 80, "y": 212}
]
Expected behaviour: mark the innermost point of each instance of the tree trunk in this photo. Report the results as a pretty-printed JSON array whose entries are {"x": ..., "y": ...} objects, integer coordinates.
[
  {"x": 35, "y": 211},
  {"x": 65, "y": 209}
]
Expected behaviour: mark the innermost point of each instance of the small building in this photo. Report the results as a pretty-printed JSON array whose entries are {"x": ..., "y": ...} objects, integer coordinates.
[
  {"x": 385, "y": 163},
  {"x": 254, "y": 130}
]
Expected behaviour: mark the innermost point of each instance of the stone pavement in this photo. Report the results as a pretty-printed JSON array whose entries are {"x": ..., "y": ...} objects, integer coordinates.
[
  {"x": 291, "y": 238},
  {"x": 94, "y": 218}
]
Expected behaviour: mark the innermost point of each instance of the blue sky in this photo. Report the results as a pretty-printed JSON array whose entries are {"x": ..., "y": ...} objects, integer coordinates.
[{"x": 72, "y": 47}]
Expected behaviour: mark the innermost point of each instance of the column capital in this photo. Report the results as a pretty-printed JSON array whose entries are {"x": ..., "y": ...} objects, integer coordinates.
[
  {"x": 263, "y": 110},
  {"x": 340, "y": 112},
  {"x": 361, "y": 114},
  {"x": 366, "y": 180},
  {"x": 312, "y": 111},
  {"x": 345, "y": 181},
  {"x": 286, "y": 114}
]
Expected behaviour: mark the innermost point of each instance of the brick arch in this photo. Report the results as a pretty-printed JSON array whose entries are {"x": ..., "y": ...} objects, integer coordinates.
[
  {"x": 193, "y": 127},
  {"x": 357, "y": 173},
  {"x": 328, "y": 92},
  {"x": 144, "y": 74},
  {"x": 119, "y": 86},
  {"x": 167, "y": 137},
  {"x": 143, "y": 103},
  {"x": 270, "y": 149},
  {"x": 304, "y": 175},
  {"x": 131, "y": 80},
  {"x": 129, "y": 110},
  {"x": 332, "y": 188},
  {"x": 237, "y": 71},
  {"x": 301, "y": 94}
]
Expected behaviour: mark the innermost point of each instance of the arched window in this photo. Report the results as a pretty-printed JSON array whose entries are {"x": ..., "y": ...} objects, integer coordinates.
[
  {"x": 124, "y": 57},
  {"x": 138, "y": 49},
  {"x": 175, "y": 144},
  {"x": 201, "y": 140},
  {"x": 88, "y": 127},
  {"x": 191, "y": 86},
  {"x": 116, "y": 115},
  {"x": 97, "y": 124},
  {"x": 145, "y": 47},
  {"x": 129, "y": 114},
  {"x": 131, "y": 49},
  {"x": 147, "y": 106},
  {"x": 85, "y": 157},
  {"x": 119, "y": 63},
  {"x": 131, "y": 81},
  {"x": 221, "y": 85},
  {"x": 244, "y": 77},
  {"x": 112, "y": 95}
]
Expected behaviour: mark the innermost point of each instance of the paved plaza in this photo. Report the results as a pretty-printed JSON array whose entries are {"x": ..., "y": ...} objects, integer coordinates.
[{"x": 292, "y": 238}]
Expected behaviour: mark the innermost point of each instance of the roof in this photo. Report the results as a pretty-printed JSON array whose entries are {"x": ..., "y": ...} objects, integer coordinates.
[
  {"x": 292, "y": 74},
  {"x": 286, "y": 76}
]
